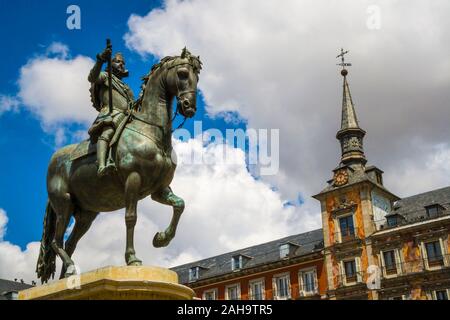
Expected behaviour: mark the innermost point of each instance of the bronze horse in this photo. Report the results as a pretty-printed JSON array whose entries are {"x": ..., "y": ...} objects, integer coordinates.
[{"x": 144, "y": 167}]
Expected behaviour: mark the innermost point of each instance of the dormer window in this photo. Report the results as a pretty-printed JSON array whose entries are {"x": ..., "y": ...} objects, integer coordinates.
[
  {"x": 379, "y": 178},
  {"x": 285, "y": 250},
  {"x": 194, "y": 274},
  {"x": 392, "y": 221},
  {"x": 433, "y": 210},
  {"x": 236, "y": 262}
]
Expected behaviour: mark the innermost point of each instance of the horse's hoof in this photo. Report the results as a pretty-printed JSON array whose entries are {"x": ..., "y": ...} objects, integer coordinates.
[
  {"x": 160, "y": 240},
  {"x": 133, "y": 261},
  {"x": 69, "y": 274}
]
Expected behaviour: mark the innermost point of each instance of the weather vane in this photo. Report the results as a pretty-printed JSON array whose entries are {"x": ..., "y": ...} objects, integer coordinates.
[{"x": 343, "y": 64}]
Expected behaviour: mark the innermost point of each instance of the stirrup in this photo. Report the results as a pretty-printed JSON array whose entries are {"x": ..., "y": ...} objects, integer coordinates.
[{"x": 105, "y": 170}]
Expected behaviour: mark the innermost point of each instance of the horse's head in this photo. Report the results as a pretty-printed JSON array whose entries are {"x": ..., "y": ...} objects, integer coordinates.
[{"x": 181, "y": 81}]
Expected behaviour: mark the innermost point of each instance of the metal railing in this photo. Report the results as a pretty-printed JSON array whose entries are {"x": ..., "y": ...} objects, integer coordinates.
[
  {"x": 256, "y": 296},
  {"x": 284, "y": 294},
  {"x": 311, "y": 289},
  {"x": 345, "y": 235},
  {"x": 344, "y": 280},
  {"x": 416, "y": 265}
]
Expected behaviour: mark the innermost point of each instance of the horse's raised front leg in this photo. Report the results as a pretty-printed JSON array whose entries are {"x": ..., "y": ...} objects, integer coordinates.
[
  {"x": 166, "y": 196},
  {"x": 132, "y": 187}
]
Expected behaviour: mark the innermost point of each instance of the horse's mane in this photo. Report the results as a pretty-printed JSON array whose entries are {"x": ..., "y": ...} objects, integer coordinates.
[{"x": 193, "y": 60}]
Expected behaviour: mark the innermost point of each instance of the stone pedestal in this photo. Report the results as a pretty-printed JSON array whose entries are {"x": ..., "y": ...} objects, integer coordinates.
[{"x": 114, "y": 283}]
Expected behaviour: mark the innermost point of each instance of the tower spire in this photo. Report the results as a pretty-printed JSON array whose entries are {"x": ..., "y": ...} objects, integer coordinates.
[{"x": 350, "y": 135}]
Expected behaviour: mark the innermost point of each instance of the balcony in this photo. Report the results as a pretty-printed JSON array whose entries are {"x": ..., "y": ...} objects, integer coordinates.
[
  {"x": 345, "y": 280},
  {"x": 309, "y": 290},
  {"x": 346, "y": 235},
  {"x": 256, "y": 296},
  {"x": 282, "y": 294},
  {"x": 415, "y": 266}
]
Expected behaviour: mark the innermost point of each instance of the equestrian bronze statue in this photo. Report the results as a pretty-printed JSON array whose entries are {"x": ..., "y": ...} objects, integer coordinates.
[{"x": 138, "y": 136}]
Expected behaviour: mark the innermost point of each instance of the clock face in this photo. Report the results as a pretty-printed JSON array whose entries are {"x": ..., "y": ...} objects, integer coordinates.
[{"x": 340, "y": 178}]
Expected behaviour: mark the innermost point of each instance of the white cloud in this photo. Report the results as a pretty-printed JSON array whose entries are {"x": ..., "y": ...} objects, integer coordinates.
[
  {"x": 275, "y": 65},
  {"x": 15, "y": 263},
  {"x": 433, "y": 172},
  {"x": 3, "y": 223},
  {"x": 59, "y": 49},
  {"x": 8, "y": 103},
  {"x": 226, "y": 209},
  {"x": 56, "y": 88}
]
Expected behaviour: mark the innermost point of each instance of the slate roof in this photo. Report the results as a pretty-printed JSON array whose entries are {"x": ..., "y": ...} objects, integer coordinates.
[
  {"x": 8, "y": 286},
  {"x": 262, "y": 254},
  {"x": 412, "y": 209},
  {"x": 355, "y": 176}
]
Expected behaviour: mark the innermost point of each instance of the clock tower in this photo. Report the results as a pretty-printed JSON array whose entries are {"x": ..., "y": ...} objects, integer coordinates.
[{"x": 354, "y": 205}]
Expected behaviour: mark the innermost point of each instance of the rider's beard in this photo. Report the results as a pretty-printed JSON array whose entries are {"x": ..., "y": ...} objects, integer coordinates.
[{"x": 119, "y": 72}]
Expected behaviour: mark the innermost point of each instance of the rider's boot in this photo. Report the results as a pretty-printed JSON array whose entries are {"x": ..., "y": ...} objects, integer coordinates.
[{"x": 102, "y": 151}]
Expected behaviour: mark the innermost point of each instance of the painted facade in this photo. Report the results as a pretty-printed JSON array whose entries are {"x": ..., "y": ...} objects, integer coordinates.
[{"x": 372, "y": 245}]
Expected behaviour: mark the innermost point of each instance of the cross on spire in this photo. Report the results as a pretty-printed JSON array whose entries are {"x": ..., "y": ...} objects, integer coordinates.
[{"x": 343, "y": 64}]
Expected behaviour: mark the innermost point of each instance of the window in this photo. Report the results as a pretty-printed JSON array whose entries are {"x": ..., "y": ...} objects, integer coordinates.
[
  {"x": 379, "y": 178},
  {"x": 282, "y": 287},
  {"x": 194, "y": 274},
  {"x": 441, "y": 295},
  {"x": 350, "y": 270},
  {"x": 210, "y": 294},
  {"x": 389, "y": 262},
  {"x": 433, "y": 211},
  {"x": 346, "y": 226},
  {"x": 392, "y": 221},
  {"x": 434, "y": 253},
  {"x": 236, "y": 262},
  {"x": 284, "y": 250},
  {"x": 308, "y": 282},
  {"x": 233, "y": 292},
  {"x": 256, "y": 290}
]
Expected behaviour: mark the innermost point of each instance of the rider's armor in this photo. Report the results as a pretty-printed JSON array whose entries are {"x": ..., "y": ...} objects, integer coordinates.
[{"x": 104, "y": 126}]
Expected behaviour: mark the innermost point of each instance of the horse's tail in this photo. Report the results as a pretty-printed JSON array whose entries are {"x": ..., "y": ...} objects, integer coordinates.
[{"x": 45, "y": 267}]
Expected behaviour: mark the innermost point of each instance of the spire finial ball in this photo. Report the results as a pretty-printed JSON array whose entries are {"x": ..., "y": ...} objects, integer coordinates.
[{"x": 344, "y": 72}]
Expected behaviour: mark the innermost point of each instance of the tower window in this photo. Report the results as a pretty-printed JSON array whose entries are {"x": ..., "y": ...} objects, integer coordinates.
[
  {"x": 347, "y": 228},
  {"x": 350, "y": 270},
  {"x": 389, "y": 262}
]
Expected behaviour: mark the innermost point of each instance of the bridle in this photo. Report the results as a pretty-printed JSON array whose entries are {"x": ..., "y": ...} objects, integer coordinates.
[{"x": 180, "y": 95}]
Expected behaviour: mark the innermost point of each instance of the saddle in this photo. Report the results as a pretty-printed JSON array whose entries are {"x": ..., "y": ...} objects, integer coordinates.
[{"x": 88, "y": 147}]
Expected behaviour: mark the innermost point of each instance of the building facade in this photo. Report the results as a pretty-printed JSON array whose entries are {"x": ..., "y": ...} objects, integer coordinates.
[{"x": 372, "y": 245}]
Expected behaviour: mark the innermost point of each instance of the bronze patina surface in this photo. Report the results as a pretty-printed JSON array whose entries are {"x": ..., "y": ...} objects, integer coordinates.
[{"x": 138, "y": 137}]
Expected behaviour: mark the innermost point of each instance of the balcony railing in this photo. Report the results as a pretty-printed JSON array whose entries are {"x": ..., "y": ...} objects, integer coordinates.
[
  {"x": 345, "y": 235},
  {"x": 307, "y": 290},
  {"x": 284, "y": 294},
  {"x": 256, "y": 296},
  {"x": 417, "y": 265},
  {"x": 350, "y": 279}
]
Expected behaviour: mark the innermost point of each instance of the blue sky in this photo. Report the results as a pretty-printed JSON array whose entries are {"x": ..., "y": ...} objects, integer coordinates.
[{"x": 31, "y": 26}]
